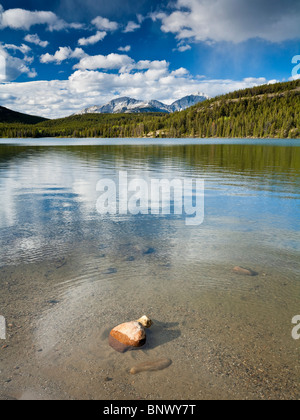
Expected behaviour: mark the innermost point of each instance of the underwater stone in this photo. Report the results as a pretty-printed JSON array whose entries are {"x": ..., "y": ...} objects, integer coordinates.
[
  {"x": 131, "y": 334},
  {"x": 151, "y": 366},
  {"x": 244, "y": 271}
]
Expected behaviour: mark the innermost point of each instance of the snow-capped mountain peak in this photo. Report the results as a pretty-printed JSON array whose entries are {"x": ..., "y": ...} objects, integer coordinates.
[{"x": 127, "y": 105}]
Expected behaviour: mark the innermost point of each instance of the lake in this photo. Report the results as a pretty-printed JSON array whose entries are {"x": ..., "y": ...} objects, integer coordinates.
[{"x": 70, "y": 274}]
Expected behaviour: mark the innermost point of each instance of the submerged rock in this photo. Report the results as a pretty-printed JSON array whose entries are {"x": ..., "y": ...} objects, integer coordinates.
[
  {"x": 129, "y": 334},
  {"x": 119, "y": 347},
  {"x": 110, "y": 271},
  {"x": 244, "y": 271},
  {"x": 149, "y": 251},
  {"x": 151, "y": 366}
]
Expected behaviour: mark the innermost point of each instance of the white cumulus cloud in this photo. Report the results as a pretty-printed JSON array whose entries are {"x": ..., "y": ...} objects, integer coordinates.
[
  {"x": 84, "y": 88},
  {"x": 232, "y": 20},
  {"x": 35, "y": 39},
  {"x": 125, "y": 49},
  {"x": 131, "y": 27},
  {"x": 109, "y": 62},
  {"x": 64, "y": 53},
  {"x": 183, "y": 48},
  {"x": 99, "y": 36},
  {"x": 104, "y": 24},
  {"x": 25, "y": 49},
  {"x": 121, "y": 62},
  {"x": 24, "y": 19}
]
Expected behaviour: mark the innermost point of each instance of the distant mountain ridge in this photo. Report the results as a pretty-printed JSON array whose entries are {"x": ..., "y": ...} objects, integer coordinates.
[{"x": 128, "y": 105}]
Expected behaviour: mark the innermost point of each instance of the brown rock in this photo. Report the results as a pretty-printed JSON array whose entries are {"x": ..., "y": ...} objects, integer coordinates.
[
  {"x": 244, "y": 271},
  {"x": 130, "y": 334},
  {"x": 119, "y": 347},
  {"x": 151, "y": 366}
]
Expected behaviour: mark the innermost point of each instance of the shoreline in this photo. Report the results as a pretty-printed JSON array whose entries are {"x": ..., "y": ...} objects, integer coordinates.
[{"x": 154, "y": 138}]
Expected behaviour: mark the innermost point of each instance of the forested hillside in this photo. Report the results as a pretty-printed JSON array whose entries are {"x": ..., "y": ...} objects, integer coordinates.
[
  {"x": 8, "y": 116},
  {"x": 265, "y": 111},
  {"x": 270, "y": 111}
]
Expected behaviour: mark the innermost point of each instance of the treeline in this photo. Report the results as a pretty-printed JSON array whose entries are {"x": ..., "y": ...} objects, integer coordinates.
[
  {"x": 277, "y": 116},
  {"x": 271, "y": 111},
  {"x": 90, "y": 125}
]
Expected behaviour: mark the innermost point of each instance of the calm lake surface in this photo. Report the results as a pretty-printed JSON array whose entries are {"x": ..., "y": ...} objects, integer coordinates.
[{"x": 68, "y": 274}]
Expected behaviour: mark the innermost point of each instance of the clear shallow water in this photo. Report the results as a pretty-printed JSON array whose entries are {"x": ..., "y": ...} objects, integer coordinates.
[{"x": 68, "y": 275}]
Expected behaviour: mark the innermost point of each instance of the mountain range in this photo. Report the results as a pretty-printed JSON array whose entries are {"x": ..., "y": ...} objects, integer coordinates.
[{"x": 133, "y": 106}]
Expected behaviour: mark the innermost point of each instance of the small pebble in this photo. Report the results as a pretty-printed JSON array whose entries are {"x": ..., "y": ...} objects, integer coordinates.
[
  {"x": 244, "y": 271},
  {"x": 53, "y": 302},
  {"x": 110, "y": 271},
  {"x": 149, "y": 251}
]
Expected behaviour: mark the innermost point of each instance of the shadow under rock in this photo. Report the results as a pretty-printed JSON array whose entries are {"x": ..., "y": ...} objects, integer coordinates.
[{"x": 161, "y": 333}]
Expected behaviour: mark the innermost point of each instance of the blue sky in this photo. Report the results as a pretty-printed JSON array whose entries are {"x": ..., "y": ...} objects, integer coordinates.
[{"x": 69, "y": 54}]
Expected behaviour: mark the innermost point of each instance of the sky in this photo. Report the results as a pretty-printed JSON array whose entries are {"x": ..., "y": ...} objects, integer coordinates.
[{"x": 59, "y": 57}]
